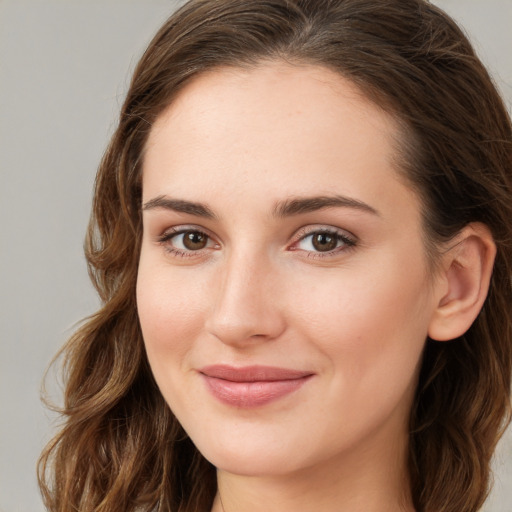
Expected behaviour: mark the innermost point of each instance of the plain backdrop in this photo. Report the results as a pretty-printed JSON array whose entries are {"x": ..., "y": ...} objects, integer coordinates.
[{"x": 64, "y": 70}]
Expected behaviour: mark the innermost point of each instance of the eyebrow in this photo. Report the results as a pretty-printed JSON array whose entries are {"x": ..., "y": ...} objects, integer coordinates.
[
  {"x": 297, "y": 206},
  {"x": 286, "y": 208},
  {"x": 179, "y": 205}
]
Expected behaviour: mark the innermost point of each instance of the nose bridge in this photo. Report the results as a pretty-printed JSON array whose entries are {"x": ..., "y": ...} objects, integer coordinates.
[{"x": 245, "y": 305}]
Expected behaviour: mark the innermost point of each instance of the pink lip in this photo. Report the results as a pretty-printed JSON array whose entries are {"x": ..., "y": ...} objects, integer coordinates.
[{"x": 252, "y": 386}]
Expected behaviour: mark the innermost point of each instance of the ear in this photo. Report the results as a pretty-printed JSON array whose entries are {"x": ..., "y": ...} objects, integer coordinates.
[{"x": 463, "y": 283}]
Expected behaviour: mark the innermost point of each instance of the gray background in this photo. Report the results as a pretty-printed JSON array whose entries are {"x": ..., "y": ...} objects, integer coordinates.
[{"x": 64, "y": 69}]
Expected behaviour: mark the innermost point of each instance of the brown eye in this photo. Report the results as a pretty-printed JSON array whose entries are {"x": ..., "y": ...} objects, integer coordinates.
[
  {"x": 324, "y": 242},
  {"x": 194, "y": 240}
]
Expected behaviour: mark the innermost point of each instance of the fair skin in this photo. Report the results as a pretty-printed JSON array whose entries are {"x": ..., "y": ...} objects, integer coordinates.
[{"x": 239, "y": 268}]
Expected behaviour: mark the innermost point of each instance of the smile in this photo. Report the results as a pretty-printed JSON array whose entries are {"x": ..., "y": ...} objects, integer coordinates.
[{"x": 252, "y": 386}]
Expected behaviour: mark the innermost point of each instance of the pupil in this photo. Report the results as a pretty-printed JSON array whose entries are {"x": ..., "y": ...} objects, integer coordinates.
[
  {"x": 193, "y": 240},
  {"x": 324, "y": 242}
]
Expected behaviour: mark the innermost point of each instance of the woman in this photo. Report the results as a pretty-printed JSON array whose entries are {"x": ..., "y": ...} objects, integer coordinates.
[{"x": 301, "y": 234}]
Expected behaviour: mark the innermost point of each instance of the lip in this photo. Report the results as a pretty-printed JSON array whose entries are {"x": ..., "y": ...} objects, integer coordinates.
[{"x": 252, "y": 386}]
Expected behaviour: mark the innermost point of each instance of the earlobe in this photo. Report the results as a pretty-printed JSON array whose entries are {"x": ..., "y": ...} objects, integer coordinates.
[{"x": 463, "y": 283}]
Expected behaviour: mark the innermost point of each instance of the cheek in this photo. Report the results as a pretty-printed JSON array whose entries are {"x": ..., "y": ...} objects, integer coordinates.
[
  {"x": 169, "y": 309},
  {"x": 372, "y": 324}
]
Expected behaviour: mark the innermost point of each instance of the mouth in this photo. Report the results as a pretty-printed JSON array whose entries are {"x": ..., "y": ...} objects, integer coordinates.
[{"x": 252, "y": 386}]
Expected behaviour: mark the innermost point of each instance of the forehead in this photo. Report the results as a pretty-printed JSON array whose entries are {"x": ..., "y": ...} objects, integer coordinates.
[
  {"x": 272, "y": 92},
  {"x": 270, "y": 131}
]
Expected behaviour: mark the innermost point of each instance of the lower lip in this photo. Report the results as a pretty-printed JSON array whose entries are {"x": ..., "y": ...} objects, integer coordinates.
[{"x": 252, "y": 394}]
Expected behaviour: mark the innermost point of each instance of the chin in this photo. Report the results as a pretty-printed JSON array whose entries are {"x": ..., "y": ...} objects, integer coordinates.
[
  {"x": 246, "y": 456},
  {"x": 255, "y": 465}
]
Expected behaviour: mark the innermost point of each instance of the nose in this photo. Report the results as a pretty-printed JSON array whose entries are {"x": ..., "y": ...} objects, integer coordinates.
[{"x": 246, "y": 307}]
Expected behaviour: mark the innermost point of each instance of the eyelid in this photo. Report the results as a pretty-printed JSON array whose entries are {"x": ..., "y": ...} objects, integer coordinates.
[
  {"x": 183, "y": 228},
  {"x": 347, "y": 237},
  {"x": 348, "y": 240},
  {"x": 169, "y": 234}
]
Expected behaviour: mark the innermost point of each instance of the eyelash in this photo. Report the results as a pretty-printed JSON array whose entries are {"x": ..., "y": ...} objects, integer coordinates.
[
  {"x": 175, "y": 232},
  {"x": 348, "y": 241}
]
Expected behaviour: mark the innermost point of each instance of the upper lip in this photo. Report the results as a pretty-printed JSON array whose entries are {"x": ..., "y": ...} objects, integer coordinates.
[{"x": 254, "y": 373}]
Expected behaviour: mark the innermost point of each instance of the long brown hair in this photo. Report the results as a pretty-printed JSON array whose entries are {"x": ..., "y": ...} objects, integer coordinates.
[{"x": 121, "y": 448}]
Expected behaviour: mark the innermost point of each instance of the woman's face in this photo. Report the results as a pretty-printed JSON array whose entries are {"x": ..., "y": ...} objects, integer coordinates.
[{"x": 283, "y": 289}]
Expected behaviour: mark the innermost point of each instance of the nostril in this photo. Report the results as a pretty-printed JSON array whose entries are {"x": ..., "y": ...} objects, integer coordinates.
[{"x": 246, "y": 329}]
